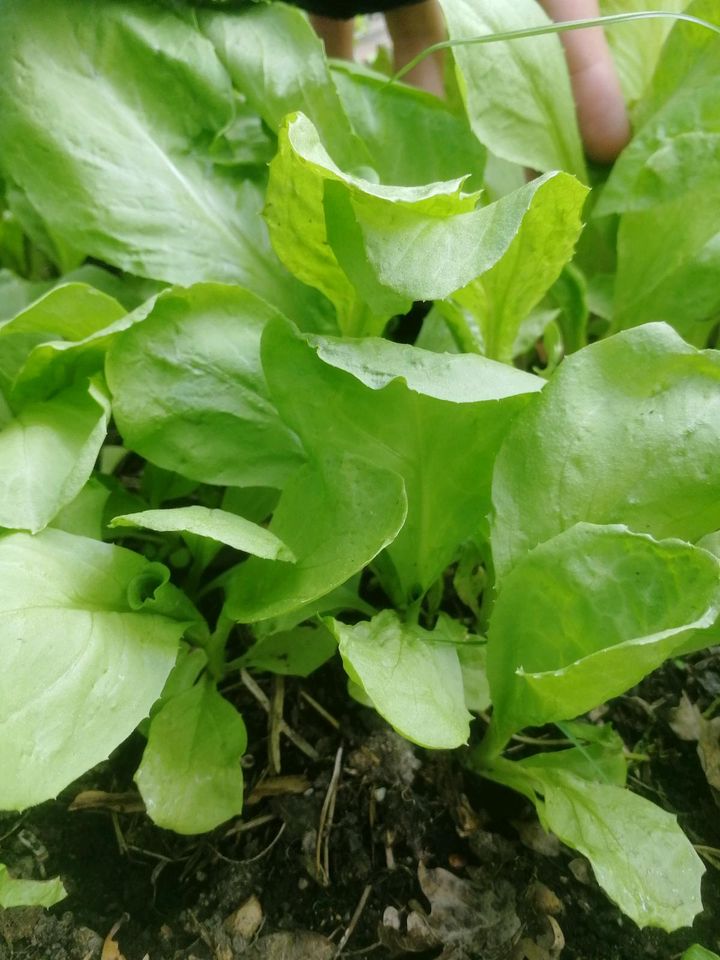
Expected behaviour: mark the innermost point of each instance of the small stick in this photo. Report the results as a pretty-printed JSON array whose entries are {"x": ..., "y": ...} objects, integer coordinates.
[
  {"x": 389, "y": 854},
  {"x": 251, "y": 824},
  {"x": 354, "y": 920},
  {"x": 275, "y": 719},
  {"x": 295, "y": 738},
  {"x": 119, "y": 835},
  {"x": 268, "y": 848},
  {"x": 322, "y": 849},
  {"x": 320, "y": 709}
]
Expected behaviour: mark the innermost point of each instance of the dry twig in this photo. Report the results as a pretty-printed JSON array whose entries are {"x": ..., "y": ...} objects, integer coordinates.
[
  {"x": 322, "y": 849},
  {"x": 354, "y": 920},
  {"x": 292, "y": 736}
]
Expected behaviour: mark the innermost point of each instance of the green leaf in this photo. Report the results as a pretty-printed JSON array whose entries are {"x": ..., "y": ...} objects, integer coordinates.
[
  {"x": 626, "y": 431},
  {"x": 636, "y": 46},
  {"x": 669, "y": 168},
  {"x": 68, "y": 313},
  {"x": 295, "y": 653},
  {"x": 29, "y": 893},
  {"x": 473, "y": 663},
  {"x": 42, "y": 239},
  {"x": 276, "y": 60},
  {"x": 65, "y": 706},
  {"x": 87, "y": 103},
  {"x": 435, "y": 419},
  {"x": 53, "y": 364},
  {"x": 218, "y": 525},
  {"x": 697, "y": 952},
  {"x": 47, "y": 453},
  {"x": 387, "y": 115},
  {"x": 674, "y": 281},
  {"x": 639, "y": 855},
  {"x": 190, "y": 775},
  {"x": 16, "y": 293},
  {"x": 430, "y": 256},
  {"x": 189, "y": 393},
  {"x": 517, "y": 93},
  {"x": 296, "y": 218},
  {"x": 343, "y": 598},
  {"x": 599, "y": 755},
  {"x": 414, "y": 683},
  {"x": 501, "y": 298},
  {"x": 85, "y": 515},
  {"x": 584, "y": 616},
  {"x": 335, "y": 515}
]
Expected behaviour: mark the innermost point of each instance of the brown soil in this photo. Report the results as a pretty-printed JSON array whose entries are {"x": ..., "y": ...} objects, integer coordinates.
[{"x": 420, "y": 858}]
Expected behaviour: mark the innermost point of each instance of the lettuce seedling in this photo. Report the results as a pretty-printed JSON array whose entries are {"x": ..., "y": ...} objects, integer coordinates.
[{"x": 209, "y": 430}]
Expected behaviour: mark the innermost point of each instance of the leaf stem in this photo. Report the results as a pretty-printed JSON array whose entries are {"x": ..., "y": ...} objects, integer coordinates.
[
  {"x": 489, "y": 750},
  {"x": 216, "y": 646},
  {"x": 550, "y": 28}
]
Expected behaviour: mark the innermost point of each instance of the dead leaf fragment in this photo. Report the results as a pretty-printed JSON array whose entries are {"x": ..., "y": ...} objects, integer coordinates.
[
  {"x": 245, "y": 922},
  {"x": 686, "y": 719},
  {"x": 278, "y": 787},
  {"x": 527, "y": 949},
  {"x": 111, "y": 949},
  {"x": 535, "y": 838},
  {"x": 476, "y": 915},
  {"x": 490, "y": 848},
  {"x": 553, "y": 939},
  {"x": 129, "y": 802},
  {"x": 544, "y": 900},
  {"x": 413, "y": 936},
  {"x": 689, "y": 724},
  {"x": 709, "y": 751},
  {"x": 291, "y": 946},
  {"x": 580, "y": 869}
]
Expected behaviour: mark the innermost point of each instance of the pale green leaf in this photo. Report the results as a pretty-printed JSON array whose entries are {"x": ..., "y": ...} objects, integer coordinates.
[
  {"x": 636, "y": 46},
  {"x": 296, "y": 653},
  {"x": 29, "y": 893},
  {"x": 598, "y": 754},
  {"x": 500, "y": 299},
  {"x": 416, "y": 684},
  {"x": 517, "y": 93},
  {"x": 586, "y": 615},
  {"x": 218, "y": 525},
  {"x": 639, "y": 855},
  {"x": 189, "y": 393},
  {"x": 473, "y": 663},
  {"x": 277, "y": 62},
  {"x": 65, "y": 706},
  {"x": 335, "y": 516},
  {"x": 296, "y": 218},
  {"x": 697, "y": 952},
  {"x": 106, "y": 138},
  {"x": 16, "y": 293},
  {"x": 667, "y": 260},
  {"x": 626, "y": 431},
  {"x": 53, "y": 364},
  {"x": 47, "y": 453},
  {"x": 412, "y": 137},
  {"x": 429, "y": 257},
  {"x": 85, "y": 515},
  {"x": 190, "y": 775},
  {"x": 68, "y": 313},
  {"x": 435, "y": 419}
]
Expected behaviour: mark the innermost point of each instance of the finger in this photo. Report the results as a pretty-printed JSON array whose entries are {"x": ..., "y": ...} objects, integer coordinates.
[{"x": 602, "y": 115}]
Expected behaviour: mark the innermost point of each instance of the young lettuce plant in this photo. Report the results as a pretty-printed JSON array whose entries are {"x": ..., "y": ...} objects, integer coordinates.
[
  {"x": 598, "y": 581},
  {"x": 261, "y": 390}
]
